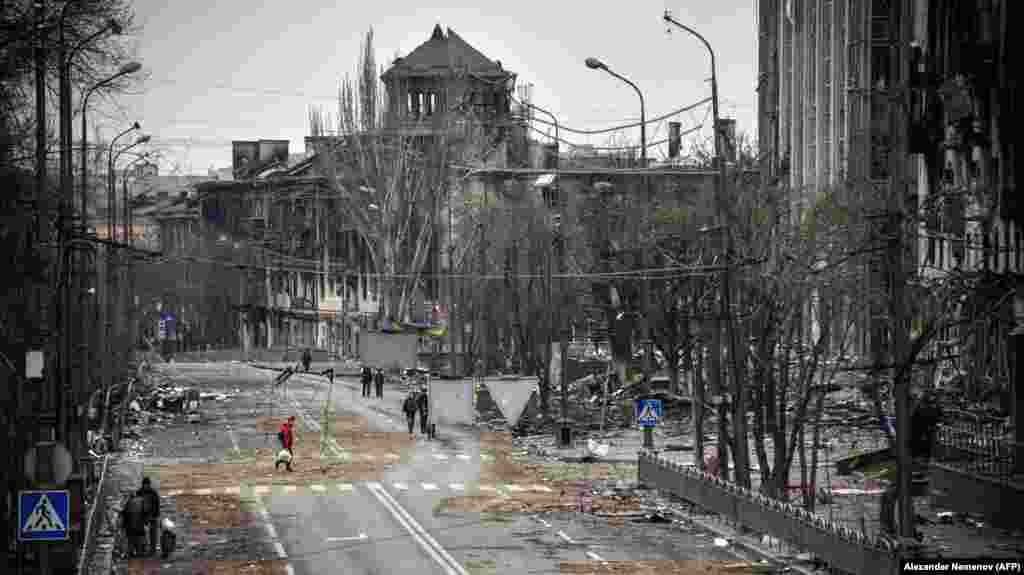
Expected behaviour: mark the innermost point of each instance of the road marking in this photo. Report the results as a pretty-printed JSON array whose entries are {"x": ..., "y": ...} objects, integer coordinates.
[
  {"x": 318, "y": 488},
  {"x": 516, "y": 488},
  {"x": 431, "y": 546},
  {"x": 545, "y": 523},
  {"x": 234, "y": 442},
  {"x": 204, "y": 491},
  {"x": 542, "y": 488},
  {"x": 359, "y": 537},
  {"x": 345, "y": 487},
  {"x": 463, "y": 457},
  {"x": 401, "y": 486},
  {"x": 290, "y": 488},
  {"x": 566, "y": 537},
  {"x": 393, "y": 456},
  {"x": 440, "y": 456},
  {"x": 232, "y": 490},
  {"x": 278, "y": 547},
  {"x": 429, "y": 487},
  {"x": 595, "y": 557},
  {"x": 174, "y": 493},
  {"x": 457, "y": 487},
  {"x": 486, "y": 457},
  {"x": 260, "y": 490},
  {"x": 488, "y": 488}
]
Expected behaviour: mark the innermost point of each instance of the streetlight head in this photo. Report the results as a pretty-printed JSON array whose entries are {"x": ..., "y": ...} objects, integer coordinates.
[
  {"x": 130, "y": 68},
  {"x": 595, "y": 64},
  {"x": 115, "y": 27},
  {"x": 136, "y": 126}
]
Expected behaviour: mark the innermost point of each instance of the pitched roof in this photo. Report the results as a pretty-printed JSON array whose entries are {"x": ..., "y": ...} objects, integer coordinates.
[{"x": 445, "y": 52}]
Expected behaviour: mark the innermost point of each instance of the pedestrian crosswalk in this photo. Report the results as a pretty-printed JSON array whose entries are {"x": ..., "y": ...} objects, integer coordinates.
[
  {"x": 345, "y": 455},
  {"x": 332, "y": 488}
]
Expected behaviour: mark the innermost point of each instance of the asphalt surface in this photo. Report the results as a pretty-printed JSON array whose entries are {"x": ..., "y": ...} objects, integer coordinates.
[{"x": 390, "y": 525}]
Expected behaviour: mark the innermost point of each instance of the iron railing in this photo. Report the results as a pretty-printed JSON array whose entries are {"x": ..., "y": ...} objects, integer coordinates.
[
  {"x": 978, "y": 445},
  {"x": 97, "y": 514}
]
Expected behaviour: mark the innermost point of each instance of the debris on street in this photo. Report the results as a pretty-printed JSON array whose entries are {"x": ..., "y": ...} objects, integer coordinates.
[
  {"x": 665, "y": 568},
  {"x": 222, "y": 567}
]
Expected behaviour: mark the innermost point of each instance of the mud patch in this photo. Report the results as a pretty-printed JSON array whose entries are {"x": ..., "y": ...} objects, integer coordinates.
[
  {"x": 555, "y": 502},
  {"x": 215, "y": 511},
  {"x": 662, "y": 568},
  {"x": 236, "y": 567}
]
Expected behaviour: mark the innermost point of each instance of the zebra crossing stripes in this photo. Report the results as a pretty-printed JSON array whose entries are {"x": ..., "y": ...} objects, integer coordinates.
[{"x": 329, "y": 488}]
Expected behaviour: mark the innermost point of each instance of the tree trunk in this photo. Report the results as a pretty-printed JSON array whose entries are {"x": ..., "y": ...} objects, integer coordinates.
[{"x": 809, "y": 498}]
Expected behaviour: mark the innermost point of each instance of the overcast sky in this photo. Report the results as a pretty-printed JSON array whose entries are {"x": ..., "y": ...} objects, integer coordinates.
[{"x": 231, "y": 70}]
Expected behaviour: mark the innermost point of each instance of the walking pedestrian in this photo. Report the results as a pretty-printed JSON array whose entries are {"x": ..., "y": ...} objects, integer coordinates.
[
  {"x": 151, "y": 512},
  {"x": 422, "y": 406},
  {"x": 133, "y": 522},
  {"x": 378, "y": 381},
  {"x": 409, "y": 408},
  {"x": 287, "y": 438},
  {"x": 307, "y": 359},
  {"x": 367, "y": 380}
]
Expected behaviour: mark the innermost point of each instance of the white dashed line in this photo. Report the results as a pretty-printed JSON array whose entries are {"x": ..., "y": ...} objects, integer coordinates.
[
  {"x": 489, "y": 488},
  {"x": 401, "y": 486},
  {"x": 463, "y": 457},
  {"x": 204, "y": 492},
  {"x": 232, "y": 490},
  {"x": 290, "y": 488},
  {"x": 566, "y": 537},
  {"x": 174, "y": 493},
  {"x": 440, "y": 456},
  {"x": 429, "y": 487},
  {"x": 318, "y": 488},
  {"x": 595, "y": 557},
  {"x": 261, "y": 490},
  {"x": 345, "y": 487},
  {"x": 542, "y": 521},
  {"x": 516, "y": 488},
  {"x": 542, "y": 488},
  {"x": 457, "y": 487},
  {"x": 486, "y": 457}
]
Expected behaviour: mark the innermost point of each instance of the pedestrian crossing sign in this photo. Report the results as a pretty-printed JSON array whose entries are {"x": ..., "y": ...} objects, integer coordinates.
[
  {"x": 43, "y": 515},
  {"x": 648, "y": 411}
]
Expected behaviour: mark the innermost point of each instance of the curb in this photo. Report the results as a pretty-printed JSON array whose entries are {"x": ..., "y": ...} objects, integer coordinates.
[
  {"x": 734, "y": 540},
  {"x": 545, "y": 452}
]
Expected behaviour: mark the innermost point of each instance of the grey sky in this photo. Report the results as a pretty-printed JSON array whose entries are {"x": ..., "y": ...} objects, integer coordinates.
[{"x": 245, "y": 70}]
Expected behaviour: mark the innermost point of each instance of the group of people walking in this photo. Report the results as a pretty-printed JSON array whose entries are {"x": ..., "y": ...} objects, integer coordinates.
[
  {"x": 141, "y": 522},
  {"x": 416, "y": 402},
  {"x": 375, "y": 379}
]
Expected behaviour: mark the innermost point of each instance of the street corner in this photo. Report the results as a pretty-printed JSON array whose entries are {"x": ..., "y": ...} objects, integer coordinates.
[
  {"x": 684, "y": 567},
  {"x": 203, "y": 567}
]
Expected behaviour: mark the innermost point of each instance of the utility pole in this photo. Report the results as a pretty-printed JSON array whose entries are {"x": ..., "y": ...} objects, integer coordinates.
[{"x": 481, "y": 317}]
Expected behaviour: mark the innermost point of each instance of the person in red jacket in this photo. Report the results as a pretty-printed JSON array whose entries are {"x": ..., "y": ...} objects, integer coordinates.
[{"x": 287, "y": 439}]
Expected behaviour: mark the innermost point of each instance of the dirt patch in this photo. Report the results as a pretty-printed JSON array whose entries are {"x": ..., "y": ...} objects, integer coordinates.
[
  {"x": 555, "y": 502},
  {"x": 198, "y": 567},
  {"x": 508, "y": 467},
  {"x": 214, "y": 511},
  {"x": 661, "y": 568},
  {"x": 351, "y": 433}
]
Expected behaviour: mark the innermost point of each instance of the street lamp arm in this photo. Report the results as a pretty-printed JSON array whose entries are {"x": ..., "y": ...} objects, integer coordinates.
[
  {"x": 671, "y": 20},
  {"x": 634, "y": 86}
]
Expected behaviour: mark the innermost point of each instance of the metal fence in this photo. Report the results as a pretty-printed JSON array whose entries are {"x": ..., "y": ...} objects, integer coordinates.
[
  {"x": 979, "y": 445},
  {"x": 97, "y": 514}
]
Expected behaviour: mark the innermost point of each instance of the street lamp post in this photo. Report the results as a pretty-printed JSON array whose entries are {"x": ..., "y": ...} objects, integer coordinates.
[
  {"x": 740, "y": 453},
  {"x": 595, "y": 64}
]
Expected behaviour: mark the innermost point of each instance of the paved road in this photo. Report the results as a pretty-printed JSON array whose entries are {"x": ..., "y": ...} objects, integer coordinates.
[{"x": 389, "y": 525}]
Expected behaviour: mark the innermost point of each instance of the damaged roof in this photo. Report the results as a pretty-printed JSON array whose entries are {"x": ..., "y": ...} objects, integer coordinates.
[{"x": 444, "y": 51}]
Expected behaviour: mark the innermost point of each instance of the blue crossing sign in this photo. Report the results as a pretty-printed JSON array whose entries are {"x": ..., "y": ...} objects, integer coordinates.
[
  {"x": 43, "y": 515},
  {"x": 648, "y": 412}
]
